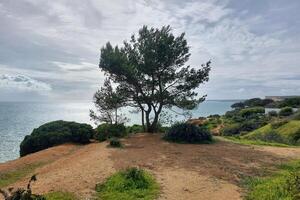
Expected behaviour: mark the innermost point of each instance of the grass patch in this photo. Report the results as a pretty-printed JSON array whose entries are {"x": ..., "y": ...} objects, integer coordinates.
[
  {"x": 280, "y": 132},
  {"x": 130, "y": 184},
  {"x": 7, "y": 178},
  {"x": 60, "y": 196},
  {"x": 284, "y": 184},
  {"x": 238, "y": 140}
]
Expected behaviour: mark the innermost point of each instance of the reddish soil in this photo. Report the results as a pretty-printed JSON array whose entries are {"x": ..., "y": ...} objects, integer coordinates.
[{"x": 184, "y": 171}]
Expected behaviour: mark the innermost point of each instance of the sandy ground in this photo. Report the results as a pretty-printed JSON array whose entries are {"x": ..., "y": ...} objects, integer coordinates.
[{"x": 184, "y": 171}]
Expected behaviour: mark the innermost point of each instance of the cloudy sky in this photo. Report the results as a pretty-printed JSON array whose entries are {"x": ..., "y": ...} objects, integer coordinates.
[{"x": 49, "y": 50}]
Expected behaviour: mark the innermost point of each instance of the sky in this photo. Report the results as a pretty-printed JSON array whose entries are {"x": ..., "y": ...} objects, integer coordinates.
[{"x": 49, "y": 50}]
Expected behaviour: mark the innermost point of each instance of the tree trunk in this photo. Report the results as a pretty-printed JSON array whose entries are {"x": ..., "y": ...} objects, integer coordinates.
[
  {"x": 143, "y": 120},
  {"x": 116, "y": 117}
]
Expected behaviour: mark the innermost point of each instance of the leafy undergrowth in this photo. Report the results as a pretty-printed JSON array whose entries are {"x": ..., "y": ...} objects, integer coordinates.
[
  {"x": 7, "y": 178},
  {"x": 243, "y": 141},
  {"x": 283, "y": 185},
  {"x": 130, "y": 184},
  {"x": 60, "y": 196}
]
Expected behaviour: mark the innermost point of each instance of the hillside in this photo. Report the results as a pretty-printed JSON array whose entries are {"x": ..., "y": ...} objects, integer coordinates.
[
  {"x": 184, "y": 171},
  {"x": 287, "y": 132}
]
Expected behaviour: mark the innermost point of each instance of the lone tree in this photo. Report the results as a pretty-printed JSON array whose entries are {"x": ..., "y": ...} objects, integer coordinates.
[
  {"x": 107, "y": 102},
  {"x": 150, "y": 72}
]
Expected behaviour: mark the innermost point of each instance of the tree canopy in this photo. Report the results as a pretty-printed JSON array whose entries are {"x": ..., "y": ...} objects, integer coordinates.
[{"x": 150, "y": 72}]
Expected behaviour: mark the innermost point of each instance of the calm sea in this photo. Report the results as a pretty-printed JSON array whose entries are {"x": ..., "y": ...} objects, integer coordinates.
[{"x": 17, "y": 119}]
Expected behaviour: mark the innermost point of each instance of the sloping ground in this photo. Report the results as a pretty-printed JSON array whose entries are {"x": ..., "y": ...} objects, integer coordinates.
[
  {"x": 184, "y": 171},
  {"x": 289, "y": 131}
]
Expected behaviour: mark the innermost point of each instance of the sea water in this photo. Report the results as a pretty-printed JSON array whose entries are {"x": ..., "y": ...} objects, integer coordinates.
[{"x": 18, "y": 119}]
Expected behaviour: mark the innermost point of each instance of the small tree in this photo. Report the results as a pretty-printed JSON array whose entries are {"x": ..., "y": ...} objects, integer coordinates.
[
  {"x": 150, "y": 72},
  {"x": 107, "y": 102}
]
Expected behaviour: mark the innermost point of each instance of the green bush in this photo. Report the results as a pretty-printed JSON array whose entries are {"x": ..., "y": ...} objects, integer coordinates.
[
  {"x": 278, "y": 123},
  {"x": 246, "y": 112},
  {"x": 188, "y": 133},
  {"x": 115, "y": 142},
  {"x": 273, "y": 113},
  {"x": 129, "y": 184},
  {"x": 136, "y": 128},
  {"x": 296, "y": 116},
  {"x": 231, "y": 129},
  {"x": 105, "y": 131},
  {"x": 55, "y": 133},
  {"x": 286, "y": 111}
]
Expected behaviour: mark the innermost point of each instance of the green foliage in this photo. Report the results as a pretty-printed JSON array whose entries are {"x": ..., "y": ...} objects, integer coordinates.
[
  {"x": 296, "y": 116},
  {"x": 107, "y": 102},
  {"x": 212, "y": 122},
  {"x": 277, "y": 123},
  {"x": 188, "y": 133},
  {"x": 105, "y": 131},
  {"x": 136, "y": 128},
  {"x": 149, "y": 70},
  {"x": 231, "y": 129},
  {"x": 290, "y": 102},
  {"x": 280, "y": 132},
  {"x": 273, "y": 113},
  {"x": 286, "y": 111},
  {"x": 248, "y": 112},
  {"x": 115, "y": 142},
  {"x": 243, "y": 120},
  {"x": 60, "y": 196},
  {"x": 285, "y": 184},
  {"x": 129, "y": 184},
  {"x": 55, "y": 133}
]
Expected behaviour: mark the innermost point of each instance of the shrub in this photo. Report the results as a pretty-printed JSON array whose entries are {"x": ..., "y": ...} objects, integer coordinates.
[
  {"x": 246, "y": 112},
  {"x": 129, "y": 184},
  {"x": 105, "y": 131},
  {"x": 136, "y": 128},
  {"x": 273, "y": 113},
  {"x": 297, "y": 115},
  {"x": 115, "y": 142},
  {"x": 55, "y": 133},
  {"x": 230, "y": 129},
  {"x": 188, "y": 133},
  {"x": 278, "y": 123},
  {"x": 286, "y": 111}
]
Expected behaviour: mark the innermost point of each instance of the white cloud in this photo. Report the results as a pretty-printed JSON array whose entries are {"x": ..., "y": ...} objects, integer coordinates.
[{"x": 23, "y": 83}]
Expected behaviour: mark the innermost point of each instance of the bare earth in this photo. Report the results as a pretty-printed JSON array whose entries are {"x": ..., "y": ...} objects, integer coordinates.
[{"x": 184, "y": 171}]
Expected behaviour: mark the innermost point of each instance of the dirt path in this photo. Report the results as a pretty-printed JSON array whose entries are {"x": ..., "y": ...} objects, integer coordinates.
[{"x": 184, "y": 171}]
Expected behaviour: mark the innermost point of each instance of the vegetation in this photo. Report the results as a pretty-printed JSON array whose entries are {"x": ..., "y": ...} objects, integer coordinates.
[
  {"x": 243, "y": 141},
  {"x": 134, "y": 129},
  {"x": 289, "y": 102},
  {"x": 129, "y": 184},
  {"x": 285, "y": 184},
  {"x": 255, "y": 102},
  {"x": 22, "y": 194},
  {"x": 106, "y": 131},
  {"x": 115, "y": 142},
  {"x": 286, "y": 111},
  {"x": 287, "y": 132},
  {"x": 242, "y": 121},
  {"x": 60, "y": 196},
  {"x": 107, "y": 102},
  {"x": 188, "y": 133},
  {"x": 9, "y": 177},
  {"x": 55, "y": 133},
  {"x": 150, "y": 72}
]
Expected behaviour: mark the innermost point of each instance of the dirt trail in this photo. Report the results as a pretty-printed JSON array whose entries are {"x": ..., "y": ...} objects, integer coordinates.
[{"x": 184, "y": 171}]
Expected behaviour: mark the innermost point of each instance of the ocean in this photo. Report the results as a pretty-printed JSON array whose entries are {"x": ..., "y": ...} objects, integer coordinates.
[{"x": 18, "y": 119}]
